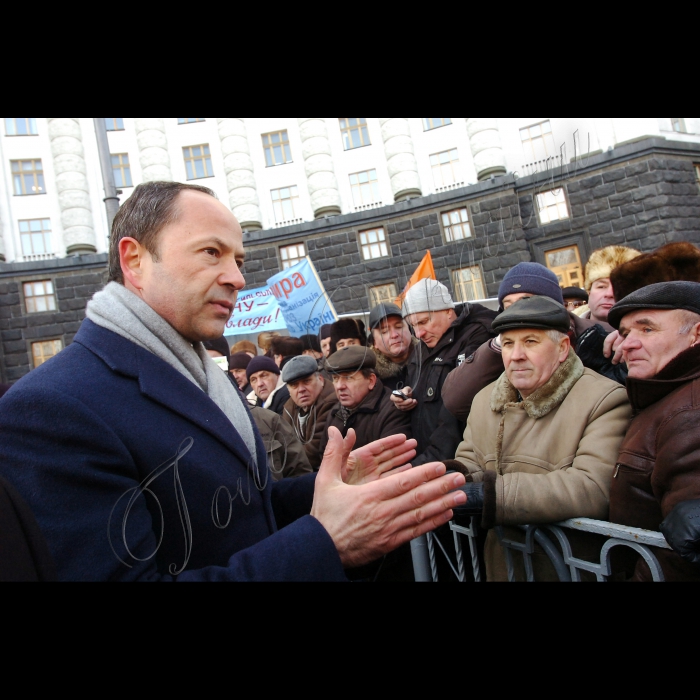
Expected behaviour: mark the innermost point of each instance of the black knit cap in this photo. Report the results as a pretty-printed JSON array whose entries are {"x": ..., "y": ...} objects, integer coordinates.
[
  {"x": 575, "y": 293},
  {"x": 239, "y": 360},
  {"x": 662, "y": 295},
  {"x": 533, "y": 312}
]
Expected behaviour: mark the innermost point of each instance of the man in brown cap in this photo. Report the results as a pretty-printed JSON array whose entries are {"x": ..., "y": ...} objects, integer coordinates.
[{"x": 363, "y": 402}]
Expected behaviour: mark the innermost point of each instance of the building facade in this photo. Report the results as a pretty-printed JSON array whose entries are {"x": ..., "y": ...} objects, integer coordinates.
[{"x": 363, "y": 198}]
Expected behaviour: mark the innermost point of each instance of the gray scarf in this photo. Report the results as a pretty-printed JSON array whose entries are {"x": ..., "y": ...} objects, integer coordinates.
[{"x": 120, "y": 311}]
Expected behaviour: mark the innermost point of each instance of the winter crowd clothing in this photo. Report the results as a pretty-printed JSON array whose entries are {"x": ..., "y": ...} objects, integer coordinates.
[
  {"x": 376, "y": 417},
  {"x": 347, "y": 328},
  {"x": 286, "y": 457},
  {"x": 393, "y": 374},
  {"x": 436, "y": 429},
  {"x": 425, "y": 296},
  {"x": 546, "y": 458},
  {"x": 309, "y": 426},
  {"x": 604, "y": 260},
  {"x": 105, "y": 419},
  {"x": 658, "y": 465}
]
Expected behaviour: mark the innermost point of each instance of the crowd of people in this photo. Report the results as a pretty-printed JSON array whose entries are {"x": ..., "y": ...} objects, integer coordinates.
[{"x": 131, "y": 456}]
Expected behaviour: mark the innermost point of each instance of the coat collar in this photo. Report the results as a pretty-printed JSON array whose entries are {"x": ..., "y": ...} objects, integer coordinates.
[
  {"x": 545, "y": 399},
  {"x": 162, "y": 383},
  {"x": 679, "y": 371}
]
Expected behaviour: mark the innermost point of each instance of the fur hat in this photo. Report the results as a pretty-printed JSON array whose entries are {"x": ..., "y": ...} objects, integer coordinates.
[
  {"x": 347, "y": 328},
  {"x": 604, "y": 260},
  {"x": 674, "y": 262}
]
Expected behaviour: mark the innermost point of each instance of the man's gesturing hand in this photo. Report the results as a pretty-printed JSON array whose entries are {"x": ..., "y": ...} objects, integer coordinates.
[
  {"x": 375, "y": 459},
  {"x": 372, "y": 519}
]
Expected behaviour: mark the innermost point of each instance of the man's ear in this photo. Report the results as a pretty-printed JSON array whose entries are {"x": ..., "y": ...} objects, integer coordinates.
[
  {"x": 564, "y": 345},
  {"x": 372, "y": 381},
  {"x": 131, "y": 258},
  {"x": 695, "y": 335}
]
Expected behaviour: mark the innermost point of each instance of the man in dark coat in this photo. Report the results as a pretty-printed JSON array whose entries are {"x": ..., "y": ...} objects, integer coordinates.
[
  {"x": 363, "y": 402},
  {"x": 393, "y": 344},
  {"x": 137, "y": 455},
  {"x": 656, "y": 483},
  {"x": 449, "y": 333},
  {"x": 269, "y": 389}
]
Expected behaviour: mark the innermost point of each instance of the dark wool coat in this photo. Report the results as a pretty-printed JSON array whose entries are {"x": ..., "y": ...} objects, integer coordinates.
[
  {"x": 438, "y": 432},
  {"x": 107, "y": 434},
  {"x": 376, "y": 417},
  {"x": 315, "y": 426},
  {"x": 658, "y": 466}
]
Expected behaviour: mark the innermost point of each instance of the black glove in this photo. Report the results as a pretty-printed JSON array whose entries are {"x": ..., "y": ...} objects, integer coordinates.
[
  {"x": 681, "y": 528},
  {"x": 475, "y": 499},
  {"x": 589, "y": 348}
]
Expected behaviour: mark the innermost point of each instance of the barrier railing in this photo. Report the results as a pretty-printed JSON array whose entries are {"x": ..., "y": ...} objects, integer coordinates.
[{"x": 427, "y": 549}]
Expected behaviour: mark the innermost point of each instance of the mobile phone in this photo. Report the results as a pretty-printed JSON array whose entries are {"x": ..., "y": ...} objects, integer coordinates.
[{"x": 400, "y": 394}]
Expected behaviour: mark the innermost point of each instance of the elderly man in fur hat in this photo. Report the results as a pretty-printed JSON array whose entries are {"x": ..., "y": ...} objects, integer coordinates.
[{"x": 541, "y": 442}]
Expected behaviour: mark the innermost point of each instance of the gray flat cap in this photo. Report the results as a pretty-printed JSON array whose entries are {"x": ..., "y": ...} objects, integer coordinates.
[
  {"x": 381, "y": 311},
  {"x": 351, "y": 359},
  {"x": 299, "y": 367},
  {"x": 662, "y": 295},
  {"x": 533, "y": 312}
]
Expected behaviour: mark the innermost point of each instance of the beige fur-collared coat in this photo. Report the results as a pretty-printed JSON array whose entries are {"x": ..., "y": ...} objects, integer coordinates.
[{"x": 547, "y": 458}]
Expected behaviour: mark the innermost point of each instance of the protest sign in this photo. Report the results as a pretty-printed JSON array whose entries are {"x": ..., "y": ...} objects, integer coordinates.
[
  {"x": 302, "y": 299},
  {"x": 256, "y": 310}
]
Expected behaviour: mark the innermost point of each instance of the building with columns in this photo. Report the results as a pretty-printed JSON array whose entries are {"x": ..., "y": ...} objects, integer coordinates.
[{"x": 364, "y": 198}]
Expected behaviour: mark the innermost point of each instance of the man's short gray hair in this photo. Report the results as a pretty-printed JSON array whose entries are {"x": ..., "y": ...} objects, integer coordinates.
[
  {"x": 556, "y": 336},
  {"x": 688, "y": 320}
]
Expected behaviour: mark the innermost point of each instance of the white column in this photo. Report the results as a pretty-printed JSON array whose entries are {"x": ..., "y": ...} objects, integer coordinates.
[
  {"x": 487, "y": 151},
  {"x": 153, "y": 149},
  {"x": 240, "y": 176},
  {"x": 401, "y": 162},
  {"x": 318, "y": 164},
  {"x": 72, "y": 185}
]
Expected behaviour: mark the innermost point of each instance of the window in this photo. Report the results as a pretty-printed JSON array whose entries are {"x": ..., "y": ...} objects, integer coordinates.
[
  {"x": 455, "y": 224},
  {"x": 565, "y": 263},
  {"x": 365, "y": 187},
  {"x": 678, "y": 125},
  {"x": 189, "y": 120},
  {"x": 45, "y": 350},
  {"x": 373, "y": 244},
  {"x": 20, "y": 126},
  {"x": 197, "y": 161},
  {"x": 538, "y": 142},
  {"x": 36, "y": 236},
  {"x": 121, "y": 170},
  {"x": 276, "y": 146},
  {"x": 285, "y": 202},
  {"x": 382, "y": 293},
  {"x": 551, "y": 206},
  {"x": 354, "y": 132},
  {"x": 292, "y": 254},
  {"x": 28, "y": 177},
  {"x": 430, "y": 123},
  {"x": 114, "y": 124},
  {"x": 38, "y": 296},
  {"x": 444, "y": 167},
  {"x": 467, "y": 284}
]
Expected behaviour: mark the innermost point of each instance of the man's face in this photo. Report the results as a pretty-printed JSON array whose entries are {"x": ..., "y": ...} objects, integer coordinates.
[
  {"x": 346, "y": 342},
  {"x": 430, "y": 326},
  {"x": 326, "y": 346},
  {"x": 240, "y": 376},
  {"x": 304, "y": 392},
  {"x": 392, "y": 337},
  {"x": 652, "y": 340},
  {"x": 601, "y": 299},
  {"x": 263, "y": 383},
  {"x": 530, "y": 358},
  {"x": 196, "y": 279},
  {"x": 352, "y": 387}
]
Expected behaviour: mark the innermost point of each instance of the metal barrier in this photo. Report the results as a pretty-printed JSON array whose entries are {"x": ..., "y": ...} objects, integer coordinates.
[{"x": 426, "y": 549}]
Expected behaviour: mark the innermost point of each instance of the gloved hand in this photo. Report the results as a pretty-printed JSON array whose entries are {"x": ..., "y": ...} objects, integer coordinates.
[
  {"x": 681, "y": 528},
  {"x": 475, "y": 499}
]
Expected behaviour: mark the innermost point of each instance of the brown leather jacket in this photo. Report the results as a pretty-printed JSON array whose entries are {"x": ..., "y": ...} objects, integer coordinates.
[
  {"x": 658, "y": 466},
  {"x": 315, "y": 426},
  {"x": 376, "y": 417}
]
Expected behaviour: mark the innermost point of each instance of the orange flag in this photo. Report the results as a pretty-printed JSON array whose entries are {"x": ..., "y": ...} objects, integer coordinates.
[{"x": 425, "y": 270}]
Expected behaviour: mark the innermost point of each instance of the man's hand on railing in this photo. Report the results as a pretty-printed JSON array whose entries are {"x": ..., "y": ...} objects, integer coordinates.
[{"x": 681, "y": 528}]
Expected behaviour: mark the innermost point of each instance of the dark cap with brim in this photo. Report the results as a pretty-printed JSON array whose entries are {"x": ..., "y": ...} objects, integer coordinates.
[
  {"x": 351, "y": 359},
  {"x": 380, "y": 312},
  {"x": 575, "y": 293},
  {"x": 662, "y": 295},
  {"x": 299, "y": 367},
  {"x": 533, "y": 312}
]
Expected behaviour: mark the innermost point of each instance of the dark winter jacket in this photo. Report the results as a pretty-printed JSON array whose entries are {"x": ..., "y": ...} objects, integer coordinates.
[
  {"x": 376, "y": 417},
  {"x": 437, "y": 431},
  {"x": 658, "y": 465}
]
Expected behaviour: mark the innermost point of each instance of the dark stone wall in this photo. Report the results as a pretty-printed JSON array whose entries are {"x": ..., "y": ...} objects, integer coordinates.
[{"x": 642, "y": 194}]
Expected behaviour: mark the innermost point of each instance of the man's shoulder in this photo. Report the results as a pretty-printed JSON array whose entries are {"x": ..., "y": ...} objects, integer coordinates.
[{"x": 594, "y": 388}]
